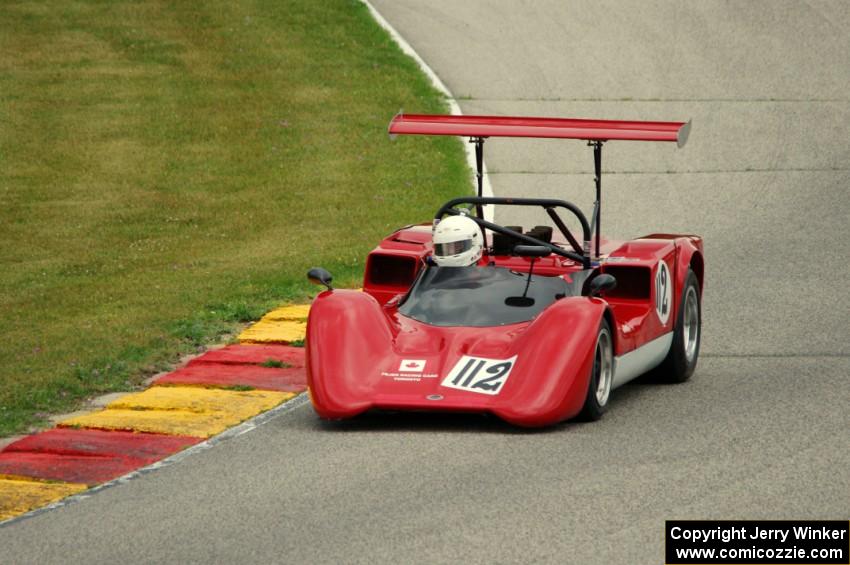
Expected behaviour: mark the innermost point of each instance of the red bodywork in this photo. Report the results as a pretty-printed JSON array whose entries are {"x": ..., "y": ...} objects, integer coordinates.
[
  {"x": 357, "y": 341},
  {"x": 363, "y": 354}
]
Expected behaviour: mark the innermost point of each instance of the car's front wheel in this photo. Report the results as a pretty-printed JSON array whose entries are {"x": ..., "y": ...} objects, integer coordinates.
[{"x": 601, "y": 376}]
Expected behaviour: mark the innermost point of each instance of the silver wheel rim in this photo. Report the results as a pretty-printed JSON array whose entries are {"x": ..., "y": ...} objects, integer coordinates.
[
  {"x": 603, "y": 367},
  {"x": 691, "y": 324}
]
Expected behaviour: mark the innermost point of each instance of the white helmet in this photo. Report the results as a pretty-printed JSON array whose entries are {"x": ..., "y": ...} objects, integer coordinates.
[{"x": 457, "y": 242}]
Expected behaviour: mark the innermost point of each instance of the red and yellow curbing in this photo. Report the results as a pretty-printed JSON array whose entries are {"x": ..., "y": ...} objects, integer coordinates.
[
  {"x": 20, "y": 494},
  {"x": 87, "y": 456},
  {"x": 212, "y": 393},
  {"x": 283, "y": 325},
  {"x": 189, "y": 411}
]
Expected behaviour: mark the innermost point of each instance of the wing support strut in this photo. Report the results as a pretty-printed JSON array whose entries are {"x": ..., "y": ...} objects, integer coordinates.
[
  {"x": 595, "y": 221},
  {"x": 479, "y": 171},
  {"x": 479, "y": 177}
]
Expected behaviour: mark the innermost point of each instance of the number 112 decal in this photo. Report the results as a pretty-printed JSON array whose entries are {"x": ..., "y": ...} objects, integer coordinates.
[{"x": 477, "y": 374}]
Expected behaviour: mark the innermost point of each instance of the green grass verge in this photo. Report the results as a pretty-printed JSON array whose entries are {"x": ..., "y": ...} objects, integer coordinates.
[{"x": 171, "y": 169}]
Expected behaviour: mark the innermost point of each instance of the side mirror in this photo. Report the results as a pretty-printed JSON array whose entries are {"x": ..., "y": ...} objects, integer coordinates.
[
  {"x": 318, "y": 275},
  {"x": 602, "y": 283},
  {"x": 531, "y": 251}
]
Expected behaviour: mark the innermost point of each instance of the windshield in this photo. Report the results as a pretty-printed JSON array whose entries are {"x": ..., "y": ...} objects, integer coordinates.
[{"x": 480, "y": 296}]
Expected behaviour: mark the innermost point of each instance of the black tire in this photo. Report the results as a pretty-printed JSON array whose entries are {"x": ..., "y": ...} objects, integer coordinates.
[
  {"x": 682, "y": 358},
  {"x": 596, "y": 401}
]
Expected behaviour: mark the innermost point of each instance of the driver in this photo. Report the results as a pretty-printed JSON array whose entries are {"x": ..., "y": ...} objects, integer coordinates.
[{"x": 457, "y": 242}]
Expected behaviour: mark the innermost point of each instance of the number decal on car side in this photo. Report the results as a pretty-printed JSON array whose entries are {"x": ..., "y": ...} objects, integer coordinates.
[
  {"x": 663, "y": 292},
  {"x": 479, "y": 374}
]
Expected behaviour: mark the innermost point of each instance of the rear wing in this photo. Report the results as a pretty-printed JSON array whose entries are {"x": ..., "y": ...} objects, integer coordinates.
[
  {"x": 563, "y": 128},
  {"x": 595, "y": 132}
]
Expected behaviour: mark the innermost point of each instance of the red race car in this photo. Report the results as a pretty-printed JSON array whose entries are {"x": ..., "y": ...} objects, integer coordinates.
[{"x": 535, "y": 326}]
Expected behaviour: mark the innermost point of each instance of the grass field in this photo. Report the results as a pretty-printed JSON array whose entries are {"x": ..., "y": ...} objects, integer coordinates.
[{"x": 171, "y": 169}]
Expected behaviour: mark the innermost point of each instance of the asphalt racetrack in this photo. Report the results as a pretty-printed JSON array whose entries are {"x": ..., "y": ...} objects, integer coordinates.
[{"x": 761, "y": 430}]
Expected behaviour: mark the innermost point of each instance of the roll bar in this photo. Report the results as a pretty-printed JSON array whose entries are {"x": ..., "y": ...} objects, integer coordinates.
[{"x": 581, "y": 254}]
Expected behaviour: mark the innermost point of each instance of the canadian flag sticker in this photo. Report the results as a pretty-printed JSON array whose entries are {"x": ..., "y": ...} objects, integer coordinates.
[{"x": 412, "y": 366}]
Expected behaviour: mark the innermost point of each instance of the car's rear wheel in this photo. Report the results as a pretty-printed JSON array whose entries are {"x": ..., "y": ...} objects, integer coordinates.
[
  {"x": 682, "y": 358},
  {"x": 601, "y": 376}
]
